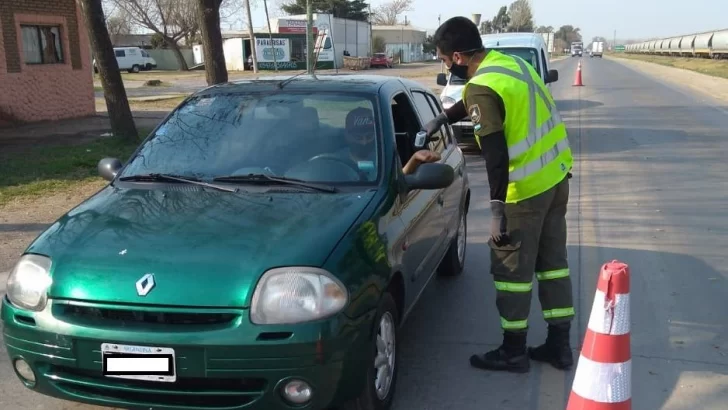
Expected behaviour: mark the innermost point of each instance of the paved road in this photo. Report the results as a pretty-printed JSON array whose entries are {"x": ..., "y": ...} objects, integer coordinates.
[{"x": 648, "y": 189}]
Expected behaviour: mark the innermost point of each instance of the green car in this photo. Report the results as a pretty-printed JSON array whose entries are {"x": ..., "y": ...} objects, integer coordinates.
[{"x": 259, "y": 250}]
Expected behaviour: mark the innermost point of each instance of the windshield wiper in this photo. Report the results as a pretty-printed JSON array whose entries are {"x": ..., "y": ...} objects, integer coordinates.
[
  {"x": 176, "y": 178},
  {"x": 280, "y": 180}
]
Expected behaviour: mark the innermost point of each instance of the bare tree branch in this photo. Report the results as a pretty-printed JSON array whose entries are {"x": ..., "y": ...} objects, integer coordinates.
[{"x": 388, "y": 14}]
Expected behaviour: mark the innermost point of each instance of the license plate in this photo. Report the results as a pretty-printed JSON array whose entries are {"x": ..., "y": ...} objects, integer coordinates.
[{"x": 138, "y": 362}]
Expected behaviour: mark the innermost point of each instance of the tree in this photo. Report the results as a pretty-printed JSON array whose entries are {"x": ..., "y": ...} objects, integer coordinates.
[
  {"x": 347, "y": 9},
  {"x": 521, "y": 17},
  {"x": 171, "y": 19},
  {"x": 209, "y": 16},
  {"x": 501, "y": 20},
  {"x": 388, "y": 14},
  {"x": 486, "y": 27},
  {"x": 568, "y": 34},
  {"x": 379, "y": 44},
  {"x": 429, "y": 45},
  {"x": 117, "y": 104},
  {"x": 545, "y": 29}
]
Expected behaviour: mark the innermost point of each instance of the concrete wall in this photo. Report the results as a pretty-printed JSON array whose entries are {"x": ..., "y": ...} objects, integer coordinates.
[
  {"x": 44, "y": 91},
  {"x": 167, "y": 61}
]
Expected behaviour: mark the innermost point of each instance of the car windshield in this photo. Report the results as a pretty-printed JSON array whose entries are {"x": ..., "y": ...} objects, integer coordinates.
[
  {"x": 528, "y": 54},
  {"x": 314, "y": 137}
]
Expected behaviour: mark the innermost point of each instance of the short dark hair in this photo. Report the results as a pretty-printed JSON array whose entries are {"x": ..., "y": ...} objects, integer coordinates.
[{"x": 458, "y": 34}]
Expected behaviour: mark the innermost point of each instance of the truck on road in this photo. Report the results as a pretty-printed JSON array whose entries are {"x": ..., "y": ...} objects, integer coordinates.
[
  {"x": 597, "y": 49},
  {"x": 577, "y": 48}
]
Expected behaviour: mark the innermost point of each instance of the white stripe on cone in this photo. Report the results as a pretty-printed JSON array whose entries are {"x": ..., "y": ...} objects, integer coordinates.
[
  {"x": 603, "y": 382},
  {"x": 613, "y": 321}
]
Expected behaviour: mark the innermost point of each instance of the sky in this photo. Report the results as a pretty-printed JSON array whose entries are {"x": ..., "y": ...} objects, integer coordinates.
[{"x": 632, "y": 19}]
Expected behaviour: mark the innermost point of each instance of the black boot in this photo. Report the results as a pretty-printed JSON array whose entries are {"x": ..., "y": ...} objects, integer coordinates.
[
  {"x": 557, "y": 350},
  {"x": 510, "y": 356}
]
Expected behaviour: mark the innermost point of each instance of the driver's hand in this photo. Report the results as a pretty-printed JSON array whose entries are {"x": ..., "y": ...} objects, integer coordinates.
[{"x": 425, "y": 156}]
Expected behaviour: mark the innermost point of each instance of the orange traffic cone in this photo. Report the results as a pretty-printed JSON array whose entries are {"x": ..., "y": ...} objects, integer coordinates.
[
  {"x": 603, "y": 379},
  {"x": 577, "y": 80}
]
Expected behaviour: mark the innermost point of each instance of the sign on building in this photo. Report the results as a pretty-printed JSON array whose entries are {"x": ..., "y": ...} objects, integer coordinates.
[
  {"x": 270, "y": 50},
  {"x": 294, "y": 26}
]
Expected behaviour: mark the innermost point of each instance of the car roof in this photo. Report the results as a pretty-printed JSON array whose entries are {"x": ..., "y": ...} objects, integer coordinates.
[
  {"x": 503, "y": 40},
  {"x": 363, "y": 83}
]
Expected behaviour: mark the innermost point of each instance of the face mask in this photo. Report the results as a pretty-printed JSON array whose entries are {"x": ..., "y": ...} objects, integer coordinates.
[{"x": 459, "y": 70}]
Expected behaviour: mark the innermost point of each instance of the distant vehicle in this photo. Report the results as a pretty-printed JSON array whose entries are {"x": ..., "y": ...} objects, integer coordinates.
[
  {"x": 381, "y": 60},
  {"x": 597, "y": 49},
  {"x": 529, "y": 46},
  {"x": 132, "y": 59},
  {"x": 577, "y": 48}
]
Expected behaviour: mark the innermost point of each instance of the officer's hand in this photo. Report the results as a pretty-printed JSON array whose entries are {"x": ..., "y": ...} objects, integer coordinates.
[
  {"x": 434, "y": 125},
  {"x": 498, "y": 223}
]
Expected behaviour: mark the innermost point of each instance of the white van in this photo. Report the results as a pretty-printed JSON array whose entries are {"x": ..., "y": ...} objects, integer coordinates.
[
  {"x": 529, "y": 46},
  {"x": 132, "y": 59}
]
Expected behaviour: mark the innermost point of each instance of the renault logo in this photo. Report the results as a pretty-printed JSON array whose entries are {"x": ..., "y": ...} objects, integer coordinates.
[{"x": 145, "y": 284}]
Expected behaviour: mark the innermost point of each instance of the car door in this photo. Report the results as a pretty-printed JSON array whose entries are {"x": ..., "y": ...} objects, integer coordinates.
[
  {"x": 121, "y": 59},
  {"x": 442, "y": 143},
  {"x": 419, "y": 210}
]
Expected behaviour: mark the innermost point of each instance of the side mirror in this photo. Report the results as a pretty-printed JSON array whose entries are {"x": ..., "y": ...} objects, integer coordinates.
[
  {"x": 430, "y": 176},
  {"x": 108, "y": 168},
  {"x": 442, "y": 79},
  {"x": 552, "y": 76}
]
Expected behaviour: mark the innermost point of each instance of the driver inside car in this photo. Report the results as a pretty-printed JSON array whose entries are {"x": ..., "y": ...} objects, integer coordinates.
[{"x": 360, "y": 136}]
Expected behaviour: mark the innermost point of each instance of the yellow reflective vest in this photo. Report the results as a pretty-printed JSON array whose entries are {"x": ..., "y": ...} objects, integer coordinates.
[{"x": 538, "y": 146}]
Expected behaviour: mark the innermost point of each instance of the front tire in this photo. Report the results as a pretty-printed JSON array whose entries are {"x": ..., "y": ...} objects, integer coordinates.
[
  {"x": 381, "y": 376},
  {"x": 454, "y": 261}
]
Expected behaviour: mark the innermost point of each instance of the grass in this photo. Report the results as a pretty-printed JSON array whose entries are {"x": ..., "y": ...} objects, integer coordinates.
[
  {"x": 715, "y": 68},
  {"x": 53, "y": 169}
]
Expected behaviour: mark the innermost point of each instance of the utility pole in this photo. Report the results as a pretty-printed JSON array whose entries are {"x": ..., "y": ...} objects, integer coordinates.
[
  {"x": 270, "y": 35},
  {"x": 252, "y": 37},
  {"x": 309, "y": 37},
  {"x": 614, "y": 42},
  {"x": 371, "y": 35}
]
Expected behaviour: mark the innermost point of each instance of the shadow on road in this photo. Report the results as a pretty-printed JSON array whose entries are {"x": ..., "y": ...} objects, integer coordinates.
[
  {"x": 671, "y": 344},
  {"x": 574, "y": 105}
]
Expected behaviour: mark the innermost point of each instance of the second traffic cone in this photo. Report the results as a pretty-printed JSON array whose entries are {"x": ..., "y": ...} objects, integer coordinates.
[
  {"x": 603, "y": 379},
  {"x": 577, "y": 80}
]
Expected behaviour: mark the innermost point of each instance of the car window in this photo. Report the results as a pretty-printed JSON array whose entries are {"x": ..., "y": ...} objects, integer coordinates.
[
  {"x": 406, "y": 126},
  {"x": 428, "y": 113},
  {"x": 316, "y": 137},
  {"x": 438, "y": 109},
  {"x": 119, "y": 53}
]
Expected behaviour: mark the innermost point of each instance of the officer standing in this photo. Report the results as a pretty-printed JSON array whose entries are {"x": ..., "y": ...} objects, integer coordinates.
[{"x": 528, "y": 159}]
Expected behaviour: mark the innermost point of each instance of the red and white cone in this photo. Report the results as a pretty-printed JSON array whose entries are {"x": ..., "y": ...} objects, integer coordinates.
[{"x": 603, "y": 379}]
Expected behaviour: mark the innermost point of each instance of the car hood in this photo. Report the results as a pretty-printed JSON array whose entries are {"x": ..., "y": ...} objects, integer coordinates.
[{"x": 205, "y": 249}]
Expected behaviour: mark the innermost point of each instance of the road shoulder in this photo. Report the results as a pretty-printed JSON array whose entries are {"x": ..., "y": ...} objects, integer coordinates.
[{"x": 702, "y": 84}]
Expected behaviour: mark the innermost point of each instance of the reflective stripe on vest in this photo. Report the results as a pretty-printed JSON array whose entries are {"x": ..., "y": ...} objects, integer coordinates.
[{"x": 535, "y": 133}]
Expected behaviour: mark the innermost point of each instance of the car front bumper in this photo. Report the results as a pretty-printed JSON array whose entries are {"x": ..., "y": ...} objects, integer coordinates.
[{"x": 227, "y": 366}]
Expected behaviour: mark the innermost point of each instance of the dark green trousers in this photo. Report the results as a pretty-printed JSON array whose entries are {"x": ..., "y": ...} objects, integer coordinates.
[{"x": 537, "y": 228}]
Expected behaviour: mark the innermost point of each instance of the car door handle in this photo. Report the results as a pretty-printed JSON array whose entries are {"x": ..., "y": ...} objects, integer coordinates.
[{"x": 440, "y": 200}]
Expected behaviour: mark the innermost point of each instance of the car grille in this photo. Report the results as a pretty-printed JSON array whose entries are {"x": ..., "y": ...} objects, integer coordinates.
[
  {"x": 186, "y": 392},
  {"x": 127, "y": 317}
]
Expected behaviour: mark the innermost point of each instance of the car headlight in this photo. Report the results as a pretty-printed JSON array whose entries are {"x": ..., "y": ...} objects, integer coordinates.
[
  {"x": 29, "y": 281},
  {"x": 295, "y": 295},
  {"x": 448, "y": 102}
]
